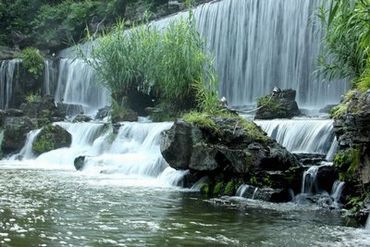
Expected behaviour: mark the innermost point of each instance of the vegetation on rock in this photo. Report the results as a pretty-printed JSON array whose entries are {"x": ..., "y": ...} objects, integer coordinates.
[
  {"x": 169, "y": 65},
  {"x": 51, "y": 137},
  {"x": 33, "y": 61}
]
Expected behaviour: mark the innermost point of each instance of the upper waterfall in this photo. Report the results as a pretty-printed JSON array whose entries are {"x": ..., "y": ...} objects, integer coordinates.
[{"x": 262, "y": 44}]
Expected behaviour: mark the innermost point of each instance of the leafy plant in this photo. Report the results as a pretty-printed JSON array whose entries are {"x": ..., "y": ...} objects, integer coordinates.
[
  {"x": 33, "y": 61},
  {"x": 32, "y": 98},
  {"x": 347, "y": 38}
]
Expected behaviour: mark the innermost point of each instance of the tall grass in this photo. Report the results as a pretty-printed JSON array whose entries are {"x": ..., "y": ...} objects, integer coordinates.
[
  {"x": 347, "y": 38},
  {"x": 170, "y": 64}
]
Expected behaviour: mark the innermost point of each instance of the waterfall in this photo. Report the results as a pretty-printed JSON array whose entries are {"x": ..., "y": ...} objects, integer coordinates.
[
  {"x": 301, "y": 135},
  {"x": 309, "y": 180},
  {"x": 50, "y": 77},
  {"x": 77, "y": 85},
  {"x": 26, "y": 151},
  {"x": 332, "y": 151},
  {"x": 262, "y": 44},
  {"x": 132, "y": 152},
  {"x": 242, "y": 189},
  {"x": 7, "y": 81},
  {"x": 336, "y": 192}
]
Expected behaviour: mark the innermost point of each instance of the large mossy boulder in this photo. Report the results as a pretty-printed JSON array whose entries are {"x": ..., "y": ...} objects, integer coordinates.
[
  {"x": 51, "y": 137},
  {"x": 15, "y": 133},
  {"x": 229, "y": 149},
  {"x": 352, "y": 161},
  {"x": 279, "y": 104}
]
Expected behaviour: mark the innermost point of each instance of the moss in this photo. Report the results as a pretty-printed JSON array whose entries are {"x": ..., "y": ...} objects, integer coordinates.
[
  {"x": 44, "y": 143},
  {"x": 202, "y": 120},
  {"x": 341, "y": 109},
  {"x": 348, "y": 162},
  {"x": 253, "y": 131},
  {"x": 230, "y": 188},
  {"x": 253, "y": 181},
  {"x": 204, "y": 189},
  {"x": 267, "y": 181},
  {"x": 218, "y": 189}
]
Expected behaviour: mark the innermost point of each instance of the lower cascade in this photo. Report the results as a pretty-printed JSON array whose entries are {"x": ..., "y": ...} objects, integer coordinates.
[
  {"x": 133, "y": 151},
  {"x": 302, "y": 135}
]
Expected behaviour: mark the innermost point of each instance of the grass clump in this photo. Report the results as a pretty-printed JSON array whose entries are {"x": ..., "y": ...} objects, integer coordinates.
[
  {"x": 169, "y": 65},
  {"x": 348, "y": 162},
  {"x": 201, "y": 119},
  {"x": 33, "y": 61}
]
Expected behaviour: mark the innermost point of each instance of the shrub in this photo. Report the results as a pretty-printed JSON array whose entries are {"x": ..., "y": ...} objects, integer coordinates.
[
  {"x": 33, "y": 61},
  {"x": 171, "y": 65}
]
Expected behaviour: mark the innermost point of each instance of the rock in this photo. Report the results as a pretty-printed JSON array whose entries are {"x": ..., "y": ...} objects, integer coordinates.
[
  {"x": 310, "y": 159},
  {"x": 42, "y": 108},
  {"x": 278, "y": 105},
  {"x": 79, "y": 162},
  {"x": 15, "y": 133},
  {"x": 272, "y": 195},
  {"x": 11, "y": 112},
  {"x": 7, "y": 53},
  {"x": 81, "y": 118},
  {"x": 2, "y": 118},
  {"x": 103, "y": 112},
  {"x": 352, "y": 161},
  {"x": 64, "y": 109},
  {"x": 237, "y": 150},
  {"x": 325, "y": 177},
  {"x": 51, "y": 137}
]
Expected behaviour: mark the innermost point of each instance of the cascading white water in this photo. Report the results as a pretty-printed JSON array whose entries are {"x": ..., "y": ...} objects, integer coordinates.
[
  {"x": 262, "y": 44},
  {"x": 301, "y": 135},
  {"x": 7, "y": 81},
  {"x": 133, "y": 152},
  {"x": 309, "y": 180},
  {"x": 332, "y": 151},
  {"x": 77, "y": 85},
  {"x": 242, "y": 189},
  {"x": 50, "y": 77},
  {"x": 337, "y": 189},
  {"x": 26, "y": 151}
]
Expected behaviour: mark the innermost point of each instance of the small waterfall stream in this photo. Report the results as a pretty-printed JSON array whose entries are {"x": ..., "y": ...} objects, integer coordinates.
[
  {"x": 301, "y": 135},
  {"x": 7, "y": 81}
]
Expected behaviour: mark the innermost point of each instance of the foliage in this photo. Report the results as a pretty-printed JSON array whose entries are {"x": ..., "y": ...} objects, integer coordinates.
[
  {"x": 202, "y": 120},
  {"x": 341, "y": 109},
  {"x": 32, "y": 98},
  {"x": 171, "y": 65},
  {"x": 348, "y": 162},
  {"x": 230, "y": 188},
  {"x": 347, "y": 38},
  {"x": 33, "y": 61},
  {"x": 363, "y": 83}
]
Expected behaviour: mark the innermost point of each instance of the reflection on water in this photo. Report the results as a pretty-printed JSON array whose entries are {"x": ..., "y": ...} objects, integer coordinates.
[{"x": 65, "y": 208}]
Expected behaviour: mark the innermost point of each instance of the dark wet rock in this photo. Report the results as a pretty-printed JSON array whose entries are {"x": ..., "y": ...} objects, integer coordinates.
[
  {"x": 81, "y": 118},
  {"x": 15, "y": 133},
  {"x": 11, "y": 112},
  {"x": 7, "y": 53},
  {"x": 103, "y": 112},
  {"x": 272, "y": 195},
  {"x": 64, "y": 109},
  {"x": 236, "y": 151},
  {"x": 79, "y": 162},
  {"x": 278, "y": 105},
  {"x": 310, "y": 159},
  {"x": 352, "y": 161},
  {"x": 2, "y": 118},
  {"x": 44, "y": 108},
  {"x": 51, "y": 137},
  {"x": 326, "y": 176}
]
